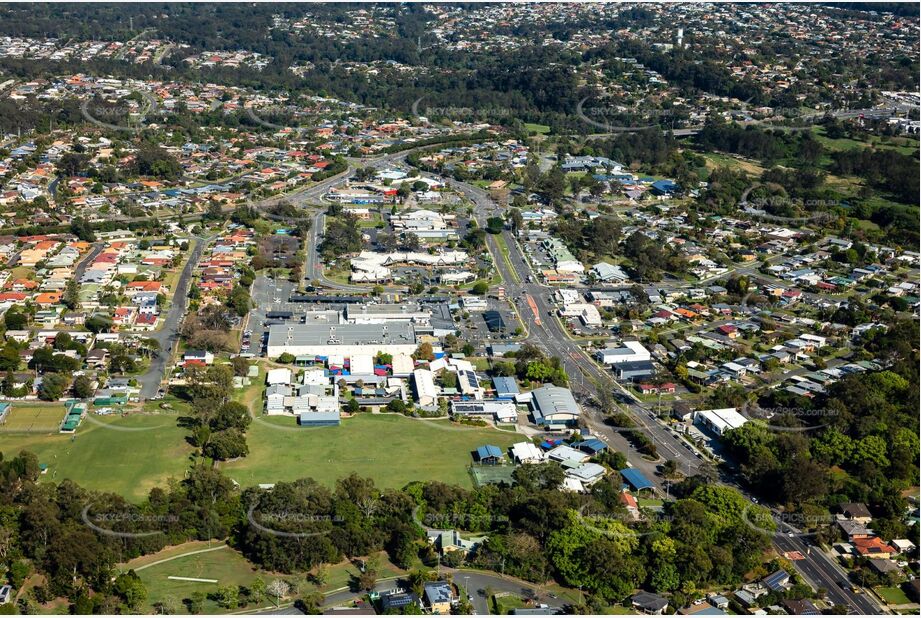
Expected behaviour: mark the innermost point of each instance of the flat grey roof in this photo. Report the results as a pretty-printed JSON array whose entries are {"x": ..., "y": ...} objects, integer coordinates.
[
  {"x": 384, "y": 309},
  {"x": 551, "y": 399},
  {"x": 341, "y": 334}
]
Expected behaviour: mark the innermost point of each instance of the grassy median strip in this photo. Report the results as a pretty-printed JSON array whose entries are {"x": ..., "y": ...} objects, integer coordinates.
[{"x": 503, "y": 249}]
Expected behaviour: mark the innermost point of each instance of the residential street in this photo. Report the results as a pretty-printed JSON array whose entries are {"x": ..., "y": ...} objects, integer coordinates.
[{"x": 168, "y": 333}]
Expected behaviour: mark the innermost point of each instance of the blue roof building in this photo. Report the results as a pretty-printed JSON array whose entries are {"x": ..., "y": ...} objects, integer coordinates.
[
  {"x": 506, "y": 387},
  {"x": 488, "y": 454},
  {"x": 636, "y": 479},
  {"x": 664, "y": 187},
  {"x": 591, "y": 446}
]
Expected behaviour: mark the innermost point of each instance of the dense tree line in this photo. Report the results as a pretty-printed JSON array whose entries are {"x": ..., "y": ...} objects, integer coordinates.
[
  {"x": 75, "y": 537},
  {"x": 857, "y": 442},
  {"x": 887, "y": 170}
]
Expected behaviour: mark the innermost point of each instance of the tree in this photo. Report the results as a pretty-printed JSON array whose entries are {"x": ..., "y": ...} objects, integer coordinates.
[
  {"x": 320, "y": 577},
  {"x": 495, "y": 225},
  {"x": 9, "y": 357},
  {"x": 83, "y": 387},
  {"x": 480, "y": 288},
  {"x": 424, "y": 352},
  {"x": 239, "y": 300},
  {"x": 53, "y": 386},
  {"x": 130, "y": 588},
  {"x": 279, "y": 589},
  {"x": 71, "y": 296},
  {"x": 226, "y": 445},
  {"x": 515, "y": 219},
  {"x": 15, "y": 319},
  {"x": 231, "y": 415},
  {"x": 98, "y": 324},
  {"x": 228, "y": 597}
]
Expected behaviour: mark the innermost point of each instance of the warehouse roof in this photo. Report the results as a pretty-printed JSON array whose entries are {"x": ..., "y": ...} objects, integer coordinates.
[{"x": 341, "y": 334}]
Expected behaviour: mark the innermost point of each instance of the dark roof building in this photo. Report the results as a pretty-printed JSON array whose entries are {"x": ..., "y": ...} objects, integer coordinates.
[{"x": 649, "y": 603}]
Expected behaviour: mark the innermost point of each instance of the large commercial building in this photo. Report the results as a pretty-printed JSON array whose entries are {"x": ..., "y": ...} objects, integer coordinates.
[
  {"x": 554, "y": 406},
  {"x": 629, "y": 352},
  {"x": 340, "y": 339},
  {"x": 386, "y": 312},
  {"x": 720, "y": 421}
]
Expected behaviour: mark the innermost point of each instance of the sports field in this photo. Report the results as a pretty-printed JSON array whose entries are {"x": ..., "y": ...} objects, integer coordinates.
[
  {"x": 33, "y": 418},
  {"x": 391, "y": 449},
  {"x": 225, "y": 565},
  {"x": 128, "y": 456},
  {"x": 228, "y": 567}
]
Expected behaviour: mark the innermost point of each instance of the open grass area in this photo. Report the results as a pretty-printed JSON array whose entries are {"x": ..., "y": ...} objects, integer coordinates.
[
  {"x": 392, "y": 450},
  {"x": 22, "y": 272},
  {"x": 904, "y": 145},
  {"x": 225, "y": 565},
  {"x": 128, "y": 456},
  {"x": 33, "y": 418},
  {"x": 228, "y": 567},
  {"x": 715, "y": 160},
  {"x": 893, "y": 595},
  {"x": 540, "y": 129},
  {"x": 504, "y": 604}
]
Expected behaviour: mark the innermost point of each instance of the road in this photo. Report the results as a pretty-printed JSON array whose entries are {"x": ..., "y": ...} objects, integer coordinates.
[
  {"x": 548, "y": 334},
  {"x": 83, "y": 264},
  {"x": 168, "y": 333},
  {"x": 475, "y": 582},
  {"x": 822, "y": 572}
]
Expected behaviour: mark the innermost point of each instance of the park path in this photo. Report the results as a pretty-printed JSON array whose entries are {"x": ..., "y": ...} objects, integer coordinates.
[{"x": 188, "y": 553}]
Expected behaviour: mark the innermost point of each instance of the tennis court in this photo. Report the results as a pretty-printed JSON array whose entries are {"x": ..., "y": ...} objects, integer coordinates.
[{"x": 491, "y": 475}]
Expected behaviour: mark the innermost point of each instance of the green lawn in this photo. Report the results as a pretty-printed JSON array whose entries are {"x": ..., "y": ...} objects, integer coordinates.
[
  {"x": 229, "y": 567},
  {"x": 893, "y": 595},
  {"x": 537, "y": 128},
  {"x": 393, "y": 450},
  {"x": 128, "y": 456},
  {"x": 225, "y": 565},
  {"x": 504, "y": 604},
  {"x": 33, "y": 418}
]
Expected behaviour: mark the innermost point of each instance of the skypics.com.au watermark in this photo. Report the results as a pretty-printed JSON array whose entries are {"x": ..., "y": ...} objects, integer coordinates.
[
  {"x": 462, "y": 521},
  {"x": 275, "y": 109},
  {"x": 291, "y": 523},
  {"x": 812, "y": 419},
  {"x": 774, "y": 523},
  {"x": 625, "y": 525},
  {"x": 125, "y": 523},
  {"x": 462, "y": 113},
  {"x": 110, "y": 116},
  {"x": 622, "y": 118}
]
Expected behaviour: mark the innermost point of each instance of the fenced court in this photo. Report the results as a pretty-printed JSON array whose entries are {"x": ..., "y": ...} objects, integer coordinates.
[
  {"x": 486, "y": 475},
  {"x": 26, "y": 418}
]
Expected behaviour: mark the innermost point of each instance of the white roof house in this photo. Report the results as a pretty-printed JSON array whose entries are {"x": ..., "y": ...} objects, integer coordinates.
[
  {"x": 629, "y": 352},
  {"x": 720, "y": 421},
  {"x": 402, "y": 364},
  {"x": 526, "y": 452},
  {"x": 424, "y": 387},
  {"x": 361, "y": 364},
  {"x": 278, "y": 376}
]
